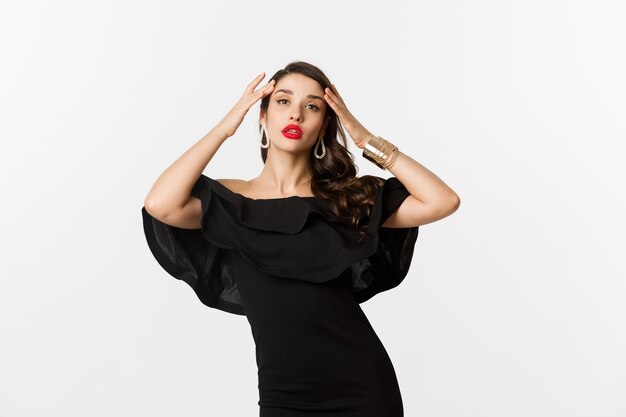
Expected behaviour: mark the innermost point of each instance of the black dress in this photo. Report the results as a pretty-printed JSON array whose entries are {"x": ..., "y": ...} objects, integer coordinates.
[{"x": 298, "y": 274}]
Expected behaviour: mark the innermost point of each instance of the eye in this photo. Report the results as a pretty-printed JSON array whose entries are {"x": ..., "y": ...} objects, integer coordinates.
[{"x": 315, "y": 107}]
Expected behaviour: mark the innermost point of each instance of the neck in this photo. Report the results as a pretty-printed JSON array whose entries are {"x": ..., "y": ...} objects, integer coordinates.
[{"x": 285, "y": 172}]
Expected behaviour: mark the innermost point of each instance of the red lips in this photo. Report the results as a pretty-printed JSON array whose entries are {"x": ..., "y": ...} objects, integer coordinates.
[{"x": 295, "y": 133}]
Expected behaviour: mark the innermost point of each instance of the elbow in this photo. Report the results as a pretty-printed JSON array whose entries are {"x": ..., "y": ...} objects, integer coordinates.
[
  {"x": 152, "y": 208},
  {"x": 156, "y": 208},
  {"x": 455, "y": 202},
  {"x": 449, "y": 206},
  {"x": 150, "y": 202},
  {"x": 162, "y": 209}
]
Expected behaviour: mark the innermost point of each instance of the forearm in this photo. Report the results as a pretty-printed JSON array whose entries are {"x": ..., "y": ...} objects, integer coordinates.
[
  {"x": 172, "y": 189},
  {"x": 422, "y": 183}
]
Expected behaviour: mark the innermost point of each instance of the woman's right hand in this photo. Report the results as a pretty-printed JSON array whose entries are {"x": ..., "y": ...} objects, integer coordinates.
[{"x": 230, "y": 123}]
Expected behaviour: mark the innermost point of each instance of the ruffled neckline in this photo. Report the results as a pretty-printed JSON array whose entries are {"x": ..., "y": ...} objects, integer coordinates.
[
  {"x": 228, "y": 190},
  {"x": 273, "y": 234},
  {"x": 287, "y": 215}
]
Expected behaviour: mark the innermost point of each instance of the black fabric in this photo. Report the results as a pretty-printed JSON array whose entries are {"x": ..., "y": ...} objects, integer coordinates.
[
  {"x": 303, "y": 225},
  {"x": 298, "y": 274}
]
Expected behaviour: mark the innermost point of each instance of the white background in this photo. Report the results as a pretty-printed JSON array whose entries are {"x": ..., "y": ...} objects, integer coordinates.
[{"x": 514, "y": 305}]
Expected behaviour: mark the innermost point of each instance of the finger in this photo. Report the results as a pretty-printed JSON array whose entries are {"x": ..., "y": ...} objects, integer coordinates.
[
  {"x": 254, "y": 83},
  {"x": 269, "y": 83},
  {"x": 334, "y": 92},
  {"x": 331, "y": 94},
  {"x": 334, "y": 104},
  {"x": 339, "y": 108},
  {"x": 266, "y": 89},
  {"x": 262, "y": 92}
]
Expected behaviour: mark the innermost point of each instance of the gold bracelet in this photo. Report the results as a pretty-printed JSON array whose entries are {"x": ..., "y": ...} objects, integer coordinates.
[
  {"x": 381, "y": 152},
  {"x": 392, "y": 158}
]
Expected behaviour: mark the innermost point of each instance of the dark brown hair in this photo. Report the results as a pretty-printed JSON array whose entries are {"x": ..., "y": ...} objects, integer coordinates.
[{"x": 334, "y": 176}]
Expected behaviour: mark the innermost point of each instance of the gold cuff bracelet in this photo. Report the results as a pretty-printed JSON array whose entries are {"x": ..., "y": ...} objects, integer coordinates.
[{"x": 381, "y": 152}]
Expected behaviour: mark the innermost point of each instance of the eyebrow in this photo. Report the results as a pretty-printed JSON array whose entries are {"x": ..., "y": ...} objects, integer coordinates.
[{"x": 291, "y": 92}]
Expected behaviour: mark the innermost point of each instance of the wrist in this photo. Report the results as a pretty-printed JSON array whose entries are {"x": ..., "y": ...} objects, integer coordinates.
[
  {"x": 361, "y": 145},
  {"x": 219, "y": 134},
  {"x": 380, "y": 152}
]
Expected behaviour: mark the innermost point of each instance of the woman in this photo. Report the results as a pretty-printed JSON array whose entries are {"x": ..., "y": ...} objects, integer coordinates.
[{"x": 299, "y": 247}]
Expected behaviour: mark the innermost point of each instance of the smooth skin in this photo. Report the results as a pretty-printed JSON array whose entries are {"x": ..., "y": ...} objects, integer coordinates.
[{"x": 286, "y": 172}]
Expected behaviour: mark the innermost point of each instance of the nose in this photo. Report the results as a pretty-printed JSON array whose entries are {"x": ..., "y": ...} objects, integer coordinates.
[{"x": 295, "y": 116}]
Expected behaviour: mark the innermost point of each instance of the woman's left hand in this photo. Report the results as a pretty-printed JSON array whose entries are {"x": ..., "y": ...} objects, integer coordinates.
[{"x": 359, "y": 134}]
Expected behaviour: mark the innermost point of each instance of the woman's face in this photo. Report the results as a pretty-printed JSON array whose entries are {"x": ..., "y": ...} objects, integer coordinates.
[{"x": 296, "y": 100}]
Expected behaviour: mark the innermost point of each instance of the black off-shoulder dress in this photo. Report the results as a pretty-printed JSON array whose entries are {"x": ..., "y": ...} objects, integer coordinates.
[{"x": 298, "y": 274}]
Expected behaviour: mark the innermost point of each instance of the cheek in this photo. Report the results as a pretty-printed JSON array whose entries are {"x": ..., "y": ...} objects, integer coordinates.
[{"x": 275, "y": 110}]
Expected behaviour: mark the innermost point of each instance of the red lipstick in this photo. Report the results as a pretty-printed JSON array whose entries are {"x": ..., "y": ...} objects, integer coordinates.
[{"x": 292, "y": 131}]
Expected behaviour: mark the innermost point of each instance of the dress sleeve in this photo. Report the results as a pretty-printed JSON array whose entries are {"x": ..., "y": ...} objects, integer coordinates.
[
  {"x": 186, "y": 255},
  {"x": 389, "y": 265}
]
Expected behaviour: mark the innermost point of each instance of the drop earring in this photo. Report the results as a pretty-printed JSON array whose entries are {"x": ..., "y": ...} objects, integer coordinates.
[
  {"x": 267, "y": 137},
  {"x": 315, "y": 151}
]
